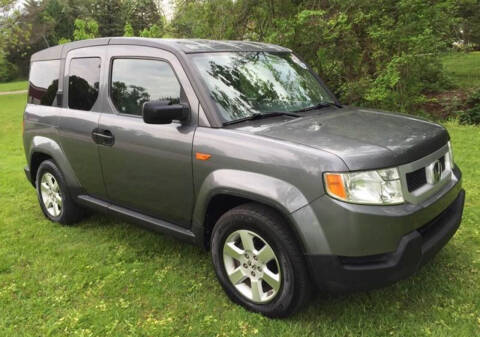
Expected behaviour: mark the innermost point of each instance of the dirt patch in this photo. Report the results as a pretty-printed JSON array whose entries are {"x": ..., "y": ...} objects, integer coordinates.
[
  {"x": 445, "y": 104},
  {"x": 13, "y": 92}
]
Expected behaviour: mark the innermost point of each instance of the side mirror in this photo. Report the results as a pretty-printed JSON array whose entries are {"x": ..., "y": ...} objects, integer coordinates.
[{"x": 157, "y": 112}]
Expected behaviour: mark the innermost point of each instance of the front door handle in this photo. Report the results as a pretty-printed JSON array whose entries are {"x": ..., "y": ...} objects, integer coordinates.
[{"x": 103, "y": 137}]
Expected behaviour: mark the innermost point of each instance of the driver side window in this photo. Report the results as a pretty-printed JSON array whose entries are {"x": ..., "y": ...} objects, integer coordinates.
[{"x": 136, "y": 81}]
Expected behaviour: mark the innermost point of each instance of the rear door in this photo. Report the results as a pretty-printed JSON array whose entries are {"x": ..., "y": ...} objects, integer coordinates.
[
  {"x": 147, "y": 168},
  {"x": 82, "y": 105}
]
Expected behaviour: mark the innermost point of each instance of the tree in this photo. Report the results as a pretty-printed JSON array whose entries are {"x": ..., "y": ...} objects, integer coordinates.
[
  {"x": 62, "y": 16},
  {"x": 34, "y": 14},
  {"x": 142, "y": 14},
  {"x": 381, "y": 53},
  {"x": 110, "y": 15},
  {"x": 85, "y": 29},
  {"x": 15, "y": 40},
  {"x": 8, "y": 71},
  {"x": 128, "y": 30},
  {"x": 153, "y": 31},
  {"x": 469, "y": 14}
]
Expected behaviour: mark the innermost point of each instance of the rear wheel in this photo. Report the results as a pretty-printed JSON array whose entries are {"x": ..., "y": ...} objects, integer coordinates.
[
  {"x": 54, "y": 197},
  {"x": 258, "y": 262}
]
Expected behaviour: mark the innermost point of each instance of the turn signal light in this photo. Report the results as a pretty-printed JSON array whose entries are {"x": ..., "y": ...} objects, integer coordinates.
[
  {"x": 202, "y": 156},
  {"x": 335, "y": 185}
]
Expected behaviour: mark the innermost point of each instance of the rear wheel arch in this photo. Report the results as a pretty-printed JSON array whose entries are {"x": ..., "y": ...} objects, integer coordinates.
[
  {"x": 35, "y": 160},
  {"x": 54, "y": 195},
  {"x": 42, "y": 148}
]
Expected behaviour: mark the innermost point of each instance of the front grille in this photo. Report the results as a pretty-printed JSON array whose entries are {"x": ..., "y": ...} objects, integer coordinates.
[
  {"x": 442, "y": 160},
  {"x": 416, "y": 179}
]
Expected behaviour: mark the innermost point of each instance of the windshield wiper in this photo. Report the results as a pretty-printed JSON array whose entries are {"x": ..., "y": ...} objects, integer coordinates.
[
  {"x": 318, "y": 106},
  {"x": 260, "y": 115}
]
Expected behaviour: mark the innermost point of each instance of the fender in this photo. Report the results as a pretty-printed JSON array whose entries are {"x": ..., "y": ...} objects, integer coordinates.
[
  {"x": 268, "y": 190},
  {"x": 50, "y": 147}
]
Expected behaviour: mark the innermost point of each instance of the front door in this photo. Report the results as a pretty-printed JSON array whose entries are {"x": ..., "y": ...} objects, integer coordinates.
[{"x": 146, "y": 167}]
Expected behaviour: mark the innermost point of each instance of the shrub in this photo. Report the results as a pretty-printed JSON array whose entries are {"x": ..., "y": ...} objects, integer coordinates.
[
  {"x": 471, "y": 115},
  {"x": 8, "y": 70}
]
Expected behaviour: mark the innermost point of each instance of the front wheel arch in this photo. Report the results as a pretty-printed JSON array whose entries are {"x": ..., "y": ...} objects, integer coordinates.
[{"x": 220, "y": 204}]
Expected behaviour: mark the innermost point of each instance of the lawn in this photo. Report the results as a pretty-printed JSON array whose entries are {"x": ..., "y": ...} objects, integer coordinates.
[
  {"x": 105, "y": 277},
  {"x": 463, "y": 69},
  {"x": 13, "y": 86}
]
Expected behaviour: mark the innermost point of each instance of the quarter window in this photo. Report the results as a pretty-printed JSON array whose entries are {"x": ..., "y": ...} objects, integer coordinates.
[
  {"x": 43, "y": 84},
  {"x": 135, "y": 82},
  {"x": 83, "y": 83}
]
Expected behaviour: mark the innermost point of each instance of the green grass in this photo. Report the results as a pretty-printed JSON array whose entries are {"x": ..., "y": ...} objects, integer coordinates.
[
  {"x": 13, "y": 86},
  {"x": 463, "y": 69},
  {"x": 105, "y": 277}
]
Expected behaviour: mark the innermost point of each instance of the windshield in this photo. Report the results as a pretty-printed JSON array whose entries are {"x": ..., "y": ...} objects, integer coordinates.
[{"x": 243, "y": 84}]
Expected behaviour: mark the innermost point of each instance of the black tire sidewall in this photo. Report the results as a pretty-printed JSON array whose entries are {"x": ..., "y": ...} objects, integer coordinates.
[{"x": 227, "y": 225}]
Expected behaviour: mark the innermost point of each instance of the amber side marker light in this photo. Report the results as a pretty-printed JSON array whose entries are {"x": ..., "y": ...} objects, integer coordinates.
[
  {"x": 335, "y": 185},
  {"x": 202, "y": 156}
]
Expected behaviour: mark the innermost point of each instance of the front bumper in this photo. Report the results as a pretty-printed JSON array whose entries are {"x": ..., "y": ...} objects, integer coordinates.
[{"x": 337, "y": 273}]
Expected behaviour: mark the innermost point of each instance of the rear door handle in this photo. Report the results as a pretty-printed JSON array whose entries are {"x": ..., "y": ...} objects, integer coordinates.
[{"x": 103, "y": 137}]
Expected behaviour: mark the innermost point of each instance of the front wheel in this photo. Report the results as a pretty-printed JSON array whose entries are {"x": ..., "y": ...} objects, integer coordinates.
[{"x": 258, "y": 262}]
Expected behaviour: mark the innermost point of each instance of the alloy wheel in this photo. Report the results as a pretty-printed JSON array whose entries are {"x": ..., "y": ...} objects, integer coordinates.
[
  {"x": 51, "y": 194},
  {"x": 252, "y": 266}
]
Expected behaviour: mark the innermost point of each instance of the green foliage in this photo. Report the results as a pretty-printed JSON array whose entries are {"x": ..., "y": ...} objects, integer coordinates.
[
  {"x": 211, "y": 19},
  {"x": 128, "y": 30},
  {"x": 8, "y": 70},
  {"x": 85, "y": 29},
  {"x": 471, "y": 115},
  {"x": 153, "y": 31},
  {"x": 15, "y": 40},
  {"x": 469, "y": 14},
  {"x": 6, "y": 5},
  {"x": 377, "y": 53},
  {"x": 143, "y": 14},
  {"x": 110, "y": 15},
  {"x": 64, "y": 40}
]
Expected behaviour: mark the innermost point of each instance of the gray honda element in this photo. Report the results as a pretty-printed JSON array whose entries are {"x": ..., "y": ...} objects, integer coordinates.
[{"x": 240, "y": 148}]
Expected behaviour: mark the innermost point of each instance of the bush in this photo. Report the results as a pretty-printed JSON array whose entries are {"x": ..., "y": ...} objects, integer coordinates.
[
  {"x": 8, "y": 70},
  {"x": 376, "y": 53},
  {"x": 471, "y": 115}
]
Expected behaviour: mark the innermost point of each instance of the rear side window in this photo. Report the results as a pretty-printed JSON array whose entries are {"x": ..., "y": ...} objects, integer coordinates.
[
  {"x": 136, "y": 81},
  {"x": 83, "y": 82},
  {"x": 43, "y": 80}
]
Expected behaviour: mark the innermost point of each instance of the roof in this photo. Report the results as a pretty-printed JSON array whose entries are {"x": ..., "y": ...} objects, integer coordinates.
[
  {"x": 199, "y": 45},
  {"x": 186, "y": 46}
]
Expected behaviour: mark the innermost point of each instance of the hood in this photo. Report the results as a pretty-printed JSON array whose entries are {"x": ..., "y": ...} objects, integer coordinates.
[{"x": 362, "y": 138}]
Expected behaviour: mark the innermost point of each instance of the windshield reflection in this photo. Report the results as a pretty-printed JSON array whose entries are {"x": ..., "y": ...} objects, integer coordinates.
[{"x": 246, "y": 83}]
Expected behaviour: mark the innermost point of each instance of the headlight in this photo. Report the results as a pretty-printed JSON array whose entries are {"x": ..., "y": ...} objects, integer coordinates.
[
  {"x": 380, "y": 187},
  {"x": 449, "y": 163}
]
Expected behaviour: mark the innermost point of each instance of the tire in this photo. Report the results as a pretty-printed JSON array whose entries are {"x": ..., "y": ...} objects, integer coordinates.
[
  {"x": 54, "y": 197},
  {"x": 283, "y": 281}
]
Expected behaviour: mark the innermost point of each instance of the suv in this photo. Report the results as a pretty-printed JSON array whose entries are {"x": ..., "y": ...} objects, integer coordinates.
[{"x": 240, "y": 148}]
